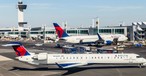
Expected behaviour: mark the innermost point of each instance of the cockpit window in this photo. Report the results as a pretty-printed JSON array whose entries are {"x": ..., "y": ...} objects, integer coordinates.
[{"x": 138, "y": 57}]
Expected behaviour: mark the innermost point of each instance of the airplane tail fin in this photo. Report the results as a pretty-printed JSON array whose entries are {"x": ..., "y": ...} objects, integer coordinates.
[
  {"x": 60, "y": 32},
  {"x": 19, "y": 49}
]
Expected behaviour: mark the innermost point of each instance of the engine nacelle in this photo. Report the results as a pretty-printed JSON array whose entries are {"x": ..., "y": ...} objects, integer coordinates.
[
  {"x": 108, "y": 42},
  {"x": 41, "y": 56}
]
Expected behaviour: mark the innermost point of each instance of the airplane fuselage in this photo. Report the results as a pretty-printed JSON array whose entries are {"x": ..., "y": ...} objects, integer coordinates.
[
  {"x": 93, "y": 38},
  {"x": 95, "y": 58},
  {"x": 85, "y": 59}
]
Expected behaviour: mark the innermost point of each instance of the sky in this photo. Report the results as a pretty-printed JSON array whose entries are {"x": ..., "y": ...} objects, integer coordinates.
[{"x": 76, "y": 12}]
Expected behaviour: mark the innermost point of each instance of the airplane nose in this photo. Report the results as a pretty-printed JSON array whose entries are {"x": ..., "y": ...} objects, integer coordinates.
[
  {"x": 122, "y": 39},
  {"x": 126, "y": 38},
  {"x": 144, "y": 62}
]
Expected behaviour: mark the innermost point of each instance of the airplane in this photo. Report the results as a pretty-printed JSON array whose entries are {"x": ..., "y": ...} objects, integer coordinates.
[
  {"x": 64, "y": 61},
  {"x": 87, "y": 39}
]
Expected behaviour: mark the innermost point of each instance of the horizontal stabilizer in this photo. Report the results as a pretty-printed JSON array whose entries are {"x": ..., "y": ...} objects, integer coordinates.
[
  {"x": 13, "y": 44},
  {"x": 18, "y": 48}
]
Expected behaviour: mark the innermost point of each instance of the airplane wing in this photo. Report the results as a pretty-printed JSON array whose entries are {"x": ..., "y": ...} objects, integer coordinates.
[{"x": 70, "y": 64}]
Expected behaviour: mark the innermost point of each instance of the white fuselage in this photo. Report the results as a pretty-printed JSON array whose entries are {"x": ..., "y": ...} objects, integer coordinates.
[
  {"x": 84, "y": 59},
  {"x": 95, "y": 58},
  {"x": 121, "y": 58},
  {"x": 93, "y": 38},
  {"x": 111, "y": 37},
  {"x": 78, "y": 39}
]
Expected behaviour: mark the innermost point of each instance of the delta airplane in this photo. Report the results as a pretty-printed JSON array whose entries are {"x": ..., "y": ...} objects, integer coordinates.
[
  {"x": 76, "y": 60},
  {"x": 87, "y": 39}
]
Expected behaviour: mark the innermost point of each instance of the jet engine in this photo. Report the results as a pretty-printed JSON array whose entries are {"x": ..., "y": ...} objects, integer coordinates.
[{"x": 41, "y": 56}]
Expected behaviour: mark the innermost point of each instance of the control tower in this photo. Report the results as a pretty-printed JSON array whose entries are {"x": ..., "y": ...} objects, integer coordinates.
[{"x": 21, "y": 7}]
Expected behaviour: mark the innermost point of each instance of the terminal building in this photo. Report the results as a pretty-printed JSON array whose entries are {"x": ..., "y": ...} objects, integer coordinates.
[
  {"x": 135, "y": 31},
  {"x": 50, "y": 32}
]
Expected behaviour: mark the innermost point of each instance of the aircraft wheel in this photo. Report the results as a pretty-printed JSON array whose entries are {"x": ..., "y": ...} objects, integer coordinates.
[{"x": 140, "y": 65}]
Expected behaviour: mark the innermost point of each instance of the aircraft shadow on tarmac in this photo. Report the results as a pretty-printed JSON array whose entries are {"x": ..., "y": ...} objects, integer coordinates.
[{"x": 70, "y": 70}]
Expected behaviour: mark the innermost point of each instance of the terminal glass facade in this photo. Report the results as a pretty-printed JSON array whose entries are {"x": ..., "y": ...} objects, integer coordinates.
[
  {"x": 119, "y": 31},
  {"x": 50, "y": 32},
  {"x": 84, "y": 32},
  {"x": 105, "y": 30}
]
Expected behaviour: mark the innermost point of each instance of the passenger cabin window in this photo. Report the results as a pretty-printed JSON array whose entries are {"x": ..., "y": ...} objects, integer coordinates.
[
  {"x": 108, "y": 57},
  {"x": 73, "y": 57}
]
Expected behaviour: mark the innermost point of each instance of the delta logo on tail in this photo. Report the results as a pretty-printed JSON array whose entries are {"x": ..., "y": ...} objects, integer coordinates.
[
  {"x": 60, "y": 32},
  {"x": 19, "y": 49}
]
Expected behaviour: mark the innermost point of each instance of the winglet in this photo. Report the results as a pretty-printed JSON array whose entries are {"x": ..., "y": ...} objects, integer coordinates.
[{"x": 99, "y": 36}]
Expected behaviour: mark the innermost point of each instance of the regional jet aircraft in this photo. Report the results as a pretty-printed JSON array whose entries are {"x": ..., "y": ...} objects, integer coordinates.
[{"x": 75, "y": 60}]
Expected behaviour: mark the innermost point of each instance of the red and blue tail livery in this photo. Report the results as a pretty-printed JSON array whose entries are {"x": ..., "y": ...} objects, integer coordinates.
[
  {"x": 19, "y": 48},
  {"x": 60, "y": 32}
]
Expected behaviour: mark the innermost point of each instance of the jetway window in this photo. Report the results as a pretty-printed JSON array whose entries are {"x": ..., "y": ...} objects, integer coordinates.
[
  {"x": 34, "y": 32},
  {"x": 72, "y": 31},
  {"x": 16, "y": 32},
  {"x": 23, "y": 32},
  {"x": 50, "y": 32}
]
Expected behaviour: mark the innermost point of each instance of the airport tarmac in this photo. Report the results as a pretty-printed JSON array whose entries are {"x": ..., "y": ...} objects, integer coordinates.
[{"x": 12, "y": 67}]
